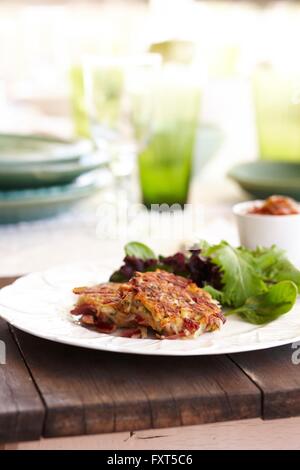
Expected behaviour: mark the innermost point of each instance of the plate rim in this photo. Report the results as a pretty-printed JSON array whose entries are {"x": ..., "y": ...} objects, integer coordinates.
[{"x": 74, "y": 148}]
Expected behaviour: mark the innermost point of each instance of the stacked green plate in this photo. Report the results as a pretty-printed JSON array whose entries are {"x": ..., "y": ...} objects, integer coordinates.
[
  {"x": 32, "y": 204},
  {"x": 40, "y": 177}
]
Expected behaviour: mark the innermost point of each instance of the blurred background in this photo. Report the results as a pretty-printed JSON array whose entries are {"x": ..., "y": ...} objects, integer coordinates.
[{"x": 211, "y": 117}]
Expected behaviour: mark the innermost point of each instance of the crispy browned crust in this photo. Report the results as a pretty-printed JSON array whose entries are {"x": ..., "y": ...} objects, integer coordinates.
[
  {"x": 176, "y": 305},
  {"x": 108, "y": 293},
  {"x": 171, "y": 305}
]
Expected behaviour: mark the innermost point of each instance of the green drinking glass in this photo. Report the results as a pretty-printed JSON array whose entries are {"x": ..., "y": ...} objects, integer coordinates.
[{"x": 166, "y": 144}]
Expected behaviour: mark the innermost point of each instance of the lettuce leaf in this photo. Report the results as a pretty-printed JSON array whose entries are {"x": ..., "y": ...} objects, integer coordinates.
[
  {"x": 274, "y": 265},
  {"x": 240, "y": 279},
  {"x": 215, "y": 293},
  {"x": 264, "y": 308},
  {"x": 139, "y": 250}
]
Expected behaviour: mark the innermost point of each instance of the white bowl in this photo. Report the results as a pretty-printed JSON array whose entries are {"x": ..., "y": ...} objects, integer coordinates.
[{"x": 267, "y": 230}]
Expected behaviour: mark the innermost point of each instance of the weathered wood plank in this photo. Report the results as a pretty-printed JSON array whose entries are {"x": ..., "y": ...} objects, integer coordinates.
[
  {"x": 87, "y": 391},
  {"x": 5, "y": 281},
  {"x": 21, "y": 409},
  {"x": 278, "y": 378}
]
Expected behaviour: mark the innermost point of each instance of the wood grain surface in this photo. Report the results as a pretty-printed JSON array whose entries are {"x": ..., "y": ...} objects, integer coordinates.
[
  {"x": 88, "y": 391},
  {"x": 277, "y": 374},
  {"x": 21, "y": 409}
]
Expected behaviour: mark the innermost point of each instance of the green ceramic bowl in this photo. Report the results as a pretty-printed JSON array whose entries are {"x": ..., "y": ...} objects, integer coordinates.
[
  {"x": 262, "y": 178},
  {"x": 48, "y": 174},
  {"x": 32, "y": 204},
  {"x": 18, "y": 149}
]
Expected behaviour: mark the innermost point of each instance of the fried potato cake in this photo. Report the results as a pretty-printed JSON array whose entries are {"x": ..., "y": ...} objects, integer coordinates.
[{"x": 171, "y": 305}]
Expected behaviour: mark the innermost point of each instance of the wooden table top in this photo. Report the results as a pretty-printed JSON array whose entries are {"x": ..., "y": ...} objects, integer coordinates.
[{"x": 54, "y": 390}]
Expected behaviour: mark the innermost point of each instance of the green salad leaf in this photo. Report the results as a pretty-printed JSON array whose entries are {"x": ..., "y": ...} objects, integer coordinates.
[
  {"x": 139, "y": 250},
  {"x": 274, "y": 266},
  {"x": 264, "y": 308},
  {"x": 240, "y": 279},
  {"x": 215, "y": 293}
]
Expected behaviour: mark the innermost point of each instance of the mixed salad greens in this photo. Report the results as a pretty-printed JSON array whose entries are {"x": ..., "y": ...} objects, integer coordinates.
[{"x": 259, "y": 285}]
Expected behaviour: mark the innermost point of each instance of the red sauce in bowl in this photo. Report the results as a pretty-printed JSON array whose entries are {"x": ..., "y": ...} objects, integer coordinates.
[{"x": 276, "y": 205}]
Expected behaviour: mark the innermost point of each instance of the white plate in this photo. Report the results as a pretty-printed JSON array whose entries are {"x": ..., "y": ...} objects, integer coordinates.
[{"x": 40, "y": 303}]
